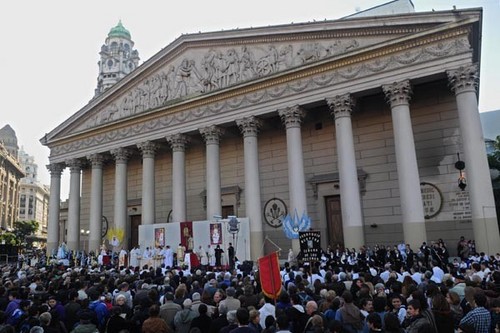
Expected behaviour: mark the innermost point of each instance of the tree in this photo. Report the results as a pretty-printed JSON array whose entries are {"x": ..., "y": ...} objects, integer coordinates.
[
  {"x": 494, "y": 162},
  {"x": 9, "y": 238},
  {"x": 494, "y": 157},
  {"x": 23, "y": 229}
]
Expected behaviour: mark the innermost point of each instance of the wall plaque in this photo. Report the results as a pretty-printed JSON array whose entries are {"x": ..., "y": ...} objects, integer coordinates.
[
  {"x": 432, "y": 199},
  {"x": 460, "y": 205}
]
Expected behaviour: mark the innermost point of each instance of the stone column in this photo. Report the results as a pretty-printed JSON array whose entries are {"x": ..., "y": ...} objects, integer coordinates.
[
  {"x": 178, "y": 144},
  {"x": 95, "y": 203},
  {"x": 464, "y": 82},
  {"x": 55, "y": 170},
  {"x": 292, "y": 118},
  {"x": 211, "y": 135},
  {"x": 148, "y": 150},
  {"x": 75, "y": 167},
  {"x": 121, "y": 156},
  {"x": 249, "y": 127},
  {"x": 412, "y": 210},
  {"x": 350, "y": 199}
]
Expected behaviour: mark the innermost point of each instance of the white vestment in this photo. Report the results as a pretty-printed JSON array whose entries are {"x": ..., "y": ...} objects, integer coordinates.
[
  {"x": 169, "y": 258},
  {"x": 203, "y": 256},
  {"x": 134, "y": 253},
  {"x": 211, "y": 256}
]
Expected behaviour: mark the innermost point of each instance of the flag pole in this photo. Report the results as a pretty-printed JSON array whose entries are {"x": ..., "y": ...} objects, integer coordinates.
[
  {"x": 272, "y": 280},
  {"x": 270, "y": 241}
]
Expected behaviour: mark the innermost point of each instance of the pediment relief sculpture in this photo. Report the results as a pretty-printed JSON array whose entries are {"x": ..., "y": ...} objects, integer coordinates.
[
  {"x": 203, "y": 72},
  {"x": 379, "y": 64}
]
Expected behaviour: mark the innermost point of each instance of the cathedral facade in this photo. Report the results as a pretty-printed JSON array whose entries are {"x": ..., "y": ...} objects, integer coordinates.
[{"x": 356, "y": 124}]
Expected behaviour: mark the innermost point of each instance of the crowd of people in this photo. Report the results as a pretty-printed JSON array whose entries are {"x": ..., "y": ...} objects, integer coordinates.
[{"x": 380, "y": 289}]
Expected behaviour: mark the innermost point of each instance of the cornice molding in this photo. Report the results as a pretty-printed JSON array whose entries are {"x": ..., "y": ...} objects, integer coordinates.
[{"x": 309, "y": 78}]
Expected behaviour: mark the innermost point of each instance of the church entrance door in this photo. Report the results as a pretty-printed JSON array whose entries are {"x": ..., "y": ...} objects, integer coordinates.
[
  {"x": 135, "y": 222},
  {"x": 334, "y": 221}
]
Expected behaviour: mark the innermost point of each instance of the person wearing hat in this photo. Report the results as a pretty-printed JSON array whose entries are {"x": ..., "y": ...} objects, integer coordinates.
[
  {"x": 121, "y": 303},
  {"x": 182, "y": 320},
  {"x": 169, "y": 309},
  {"x": 124, "y": 289},
  {"x": 196, "y": 298},
  {"x": 459, "y": 286}
]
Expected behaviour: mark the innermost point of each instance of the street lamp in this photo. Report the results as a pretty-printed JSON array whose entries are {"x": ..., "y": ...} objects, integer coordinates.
[
  {"x": 460, "y": 165},
  {"x": 84, "y": 232}
]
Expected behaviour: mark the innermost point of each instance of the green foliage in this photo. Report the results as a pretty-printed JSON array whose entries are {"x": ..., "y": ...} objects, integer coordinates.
[
  {"x": 493, "y": 162},
  {"x": 494, "y": 158},
  {"x": 9, "y": 238},
  {"x": 23, "y": 229},
  {"x": 496, "y": 153}
]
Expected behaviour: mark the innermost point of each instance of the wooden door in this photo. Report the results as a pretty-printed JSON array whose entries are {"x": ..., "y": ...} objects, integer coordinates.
[
  {"x": 334, "y": 221},
  {"x": 135, "y": 222},
  {"x": 227, "y": 211}
]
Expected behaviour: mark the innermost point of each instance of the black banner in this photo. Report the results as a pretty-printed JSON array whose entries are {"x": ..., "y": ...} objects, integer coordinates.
[{"x": 310, "y": 245}]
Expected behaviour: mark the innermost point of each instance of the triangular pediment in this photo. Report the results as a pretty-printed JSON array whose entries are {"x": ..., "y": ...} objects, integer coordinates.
[{"x": 207, "y": 63}]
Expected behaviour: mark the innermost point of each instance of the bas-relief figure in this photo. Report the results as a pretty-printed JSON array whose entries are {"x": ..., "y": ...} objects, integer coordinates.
[
  {"x": 370, "y": 67},
  {"x": 216, "y": 69}
]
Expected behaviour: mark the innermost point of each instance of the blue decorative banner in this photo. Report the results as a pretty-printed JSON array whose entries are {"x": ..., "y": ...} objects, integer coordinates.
[{"x": 292, "y": 226}]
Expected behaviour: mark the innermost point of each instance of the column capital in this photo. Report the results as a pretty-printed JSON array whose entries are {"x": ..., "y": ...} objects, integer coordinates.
[
  {"x": 291, "y": 116},
  {"x": 178, "y": 142},
  {"x": 211, "y": 134},
  {"x": 341, "y": 105},
  {"x": 121, "y": 155},
  {"x": 96, "y": 160},
  {"x": 148, "y": 149},
  {"x": 55, "y": 169},
  {"x": 249, "y": 126},
  {"x": 463, "y": 79},
  {"x": 75, "y": 165},
  {"x": 397, "y": 93}
]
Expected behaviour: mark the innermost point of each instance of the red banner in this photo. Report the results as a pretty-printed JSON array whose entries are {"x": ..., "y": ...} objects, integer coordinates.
[
  {"x": 270, "y": 277},
  {"x": 187, "y": 239}
]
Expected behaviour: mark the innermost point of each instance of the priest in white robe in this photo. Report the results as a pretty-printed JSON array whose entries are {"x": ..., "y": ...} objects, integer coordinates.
[
  {"x": 135, "y": 254},
  {"x": 169, "y": 257},
  {"x": 202, "y": 254},
  {"x": 211, "y": 256}
]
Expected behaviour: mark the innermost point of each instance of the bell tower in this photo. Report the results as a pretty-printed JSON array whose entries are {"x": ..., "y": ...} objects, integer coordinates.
[{"x": 118, "y": 58}]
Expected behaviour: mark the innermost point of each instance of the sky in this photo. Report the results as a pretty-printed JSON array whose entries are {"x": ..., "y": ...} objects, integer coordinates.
[{"x": 50, "y": 49}]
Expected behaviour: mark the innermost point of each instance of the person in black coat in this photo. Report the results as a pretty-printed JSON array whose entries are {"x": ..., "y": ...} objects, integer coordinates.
[
  {"x": 203, "y": 321},
  {"x": 116, "y": 322},
  {"x": 218, "y": 256},
  {"x": 221, "y": 321},
  {"x": 296, "y": 315}
]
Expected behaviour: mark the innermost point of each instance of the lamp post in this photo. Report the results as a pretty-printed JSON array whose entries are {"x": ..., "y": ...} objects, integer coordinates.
[
  {"x": 460, "y": 165},
  {"x": 84, "y": 232}
]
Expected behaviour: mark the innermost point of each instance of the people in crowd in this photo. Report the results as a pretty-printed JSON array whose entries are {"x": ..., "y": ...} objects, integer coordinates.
[
  {"x": 378, "y": 288},
  {"x": 478, "y": 317},
  {"x": 154, "y": 324}
]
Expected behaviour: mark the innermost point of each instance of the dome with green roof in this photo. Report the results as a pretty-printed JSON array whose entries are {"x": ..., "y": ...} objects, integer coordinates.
[{"x": 119, "y": 31}]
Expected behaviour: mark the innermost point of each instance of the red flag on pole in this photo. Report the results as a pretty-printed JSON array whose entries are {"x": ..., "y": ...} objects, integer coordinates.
[{"x": 270, "y": 277}]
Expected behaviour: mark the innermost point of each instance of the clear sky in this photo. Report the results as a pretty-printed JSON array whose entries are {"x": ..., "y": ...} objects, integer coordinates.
[{"x": 50, "y": 49}]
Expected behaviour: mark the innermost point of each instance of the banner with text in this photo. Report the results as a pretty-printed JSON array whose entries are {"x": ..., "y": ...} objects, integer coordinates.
[{"x": 310, "y": 245}]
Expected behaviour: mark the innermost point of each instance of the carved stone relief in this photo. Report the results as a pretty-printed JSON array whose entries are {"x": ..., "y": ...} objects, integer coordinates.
[
  {"x": 370, "y": 67},
  {"x": 212, "y": 70}
]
